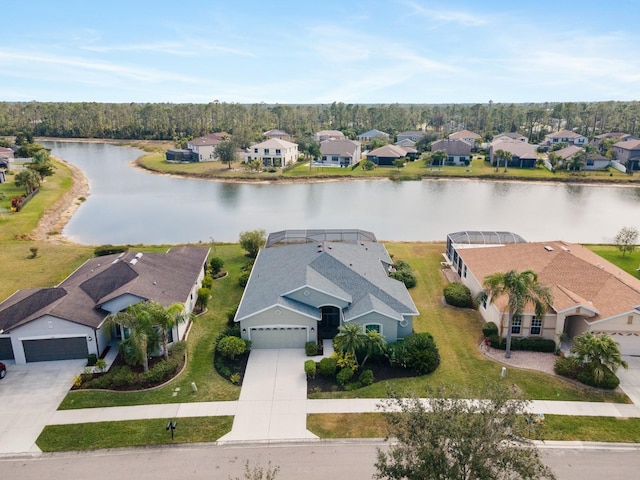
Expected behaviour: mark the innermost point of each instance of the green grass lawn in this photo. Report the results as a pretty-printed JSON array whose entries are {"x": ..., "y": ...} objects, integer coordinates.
[
  {"x": 457, "y": 334},
  {"x": 210, "y": 386},
  {"x": 556, "y": 427},
  {"x": 629, "y": 262},
  {"x": 132, "y": 433}
]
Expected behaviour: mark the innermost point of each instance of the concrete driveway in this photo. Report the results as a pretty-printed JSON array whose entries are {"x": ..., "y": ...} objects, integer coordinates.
[
  {"x": 29, "y": 396},
  {"x": 273, "y": 399},
  {"x": 630, "y": 378}
]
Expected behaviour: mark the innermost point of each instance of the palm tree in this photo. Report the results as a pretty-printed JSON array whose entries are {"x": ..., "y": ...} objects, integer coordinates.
[
  {"x": 138, "y": 322},
  {"x": 349, "y": 339},
  {"x": 502, "y": 155},
  {"x": 578, "y": 160},
  {"x": 521, "y": 289},
  {"x": 599, "y": 354},
  {"x": 374, "y": 342},
  {"x": 167, "y": 319}
]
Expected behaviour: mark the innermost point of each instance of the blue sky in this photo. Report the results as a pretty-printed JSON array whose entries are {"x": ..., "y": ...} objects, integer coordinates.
[{"x": 405, "y": 51}]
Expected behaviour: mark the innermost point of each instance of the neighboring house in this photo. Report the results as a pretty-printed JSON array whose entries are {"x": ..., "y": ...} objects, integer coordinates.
[
  {"x": 387, "y": 154},
  {"x": 323, "y": 135},
  {"x": 181, "y": 155},
  {"x": 273, "y": 153},
  {"x": 279, "y": 134},
  {"x": 511, "y": 136},
  {"x": 307, "y": 284},
  {"x": 589, "y": 293},
  {"x": 340, "y": 153},
  {"x": 366, "y": 137},
  {"x": 405, "y": 142},
  {"x": 67, "y": 321},
  {"x": 619, "y": 136},
  {"x": 594, "y": 161},
  {"x": 628, "y": 153},
  {"x": 459, "y": 151},
  {"x": 523, "y": 155},
  {"x": 205, "y": 147},
  {"x": 6, "y": 152},
  {"x": 565, "y": 136},
  {"x": 466, "y": 135},
  {"x": 413, "y": 135}
]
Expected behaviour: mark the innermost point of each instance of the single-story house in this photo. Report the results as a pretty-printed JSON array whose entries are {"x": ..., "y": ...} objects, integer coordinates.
[
  {"x": 323, "y": 135},
  {"x": 512, "y": 136},
  {"x": 366, "y": 137},
  {"x": 68, "y": 321},
  {"x": 466, "y": 135},
  {"x": 459, "y": 151},
  {"x": 279, "y": 134},
  {"x": 405, "y": 142},
  {"x": 628, "y": 153},
  {"x": 523, "y": 155},
  {"x": 594, "y": 161},
  {"x": 205, "y": 147},
  {"x": 413, "y": 135},
  {"x": 589, "y": 293},
  {"x": 273, "y": 153},
  {"x": 387, "y": 154},
  {"x": 340, "y": 153},
  {"x": 565, "y": 136},
  {"x": 306, "y": 284}
]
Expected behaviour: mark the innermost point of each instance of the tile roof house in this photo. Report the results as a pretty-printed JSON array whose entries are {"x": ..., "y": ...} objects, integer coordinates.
[
  {"x": 512, "y": 136},
  {"x": 524, "y": 155},
  {"x": 589, "y": 293},
  {"x": 459, "y": 151},
  {"x": 303, "y": 287},
  {"x": 273, "y": 153},
  {"x": 466, "y": 135},
  {"x": 387, "y": 154},
  {"x": 594, "y": 161},
  {"x": 205, "y": 147},
  {"x": 323, "y": 135},
  {"x": 279, "y": 134},
  {"x": 565, "y": 136},
  {"x": 340, "y": 153},
  {"x": 366, "y": 137},
  {"x": 628, "y": 153},
  {"x": 67, "y": 321}
]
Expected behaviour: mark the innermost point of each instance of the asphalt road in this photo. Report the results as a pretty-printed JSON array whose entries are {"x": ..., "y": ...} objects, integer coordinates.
[{"x": 352, "y": 460}]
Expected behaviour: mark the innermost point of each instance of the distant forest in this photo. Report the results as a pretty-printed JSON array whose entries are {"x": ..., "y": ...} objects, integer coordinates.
[{"x": 166, "y": 121}]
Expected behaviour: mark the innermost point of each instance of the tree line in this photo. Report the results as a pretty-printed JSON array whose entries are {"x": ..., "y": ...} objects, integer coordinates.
[{"x": 167, "y": 121}]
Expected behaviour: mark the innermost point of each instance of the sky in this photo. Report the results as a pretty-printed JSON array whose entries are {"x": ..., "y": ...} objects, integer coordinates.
[{"x": 320, "y": 51}]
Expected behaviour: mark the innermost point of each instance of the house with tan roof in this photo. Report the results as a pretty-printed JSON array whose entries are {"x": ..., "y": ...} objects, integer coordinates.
[
  {"x": 205, "y": 147},
  {"x": 589, "y": 293},
  {"x": 413, "y": 135},
  {"x": 628, "y": 153},
  {"x": 466, "y": 135},
  {"x": 458, "y": 151},
  {"x": 523, "y": 155},
  {"x": 340, "y": 153},
  {"x": 512, "y": 136},
  {"x": 277, "y": 133},
  {"x": 68, "y": 321},
  {"x": 387, "y": 154},
  {"x": 323, "y": 135},
  {"x": 273, "y": 153},
  {"x": 594, "y": 161},
  {"x": 565, "y": 136}
]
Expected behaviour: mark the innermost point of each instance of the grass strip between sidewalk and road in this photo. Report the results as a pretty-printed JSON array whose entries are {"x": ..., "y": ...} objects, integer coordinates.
[
  {"x": 556, "y": 427},
  {"x": 132, "y": 433}
]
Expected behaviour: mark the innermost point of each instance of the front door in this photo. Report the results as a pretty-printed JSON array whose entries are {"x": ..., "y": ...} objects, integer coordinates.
[{"x": 328, "y": 326}]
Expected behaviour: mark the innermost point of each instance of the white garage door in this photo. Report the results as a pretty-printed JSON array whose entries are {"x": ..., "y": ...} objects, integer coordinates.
[
  {"x": 278, "y": 337},
  {"x": 629, "y": 343}
]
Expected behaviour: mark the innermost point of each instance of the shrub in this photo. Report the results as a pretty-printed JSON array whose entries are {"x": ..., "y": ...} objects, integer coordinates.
[
  {"x": 123, "y": 377},
  {"x": 457, "y": 294},
  {"x": 101, "y": 365},
  {"x": 327, "y": 367},
  {"x": 178, "y": 349},
  {"x": 216, "y": 264},
  {"x": 103, "y": 382},
  {"x": 207, "y": 282},
  {"x": 311, "y": 349},
  {"x": 418, "y": 351},
  {"x": 77, "y": 381},
  {"x": 489, "y": 329},
  {"x": 159, "y": 372},
  {"x": 235, "y": 378},
  {"x": 310, "y": 368},
  {"x": 609, "y": 380},
  {"x": 525, "y": 343},
  {"x": 221, "y": 368},
  {"x": 404, "y": 273},
  {"x": 231, "y": 346},
  {"x": 244, "y": 279},
  {"x": 366, "y": 378},
  {"x": 344, "y": 376},
  {"x": 109, "y": 250},
  {"x": 92, "y": 358},
  {"x": 231, "y": 315},
  {"x": 567, "y": 367}
]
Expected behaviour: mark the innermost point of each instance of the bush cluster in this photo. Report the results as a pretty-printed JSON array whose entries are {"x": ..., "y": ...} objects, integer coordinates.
[
  {"x": 524, "y": 343},
  {"x": 229, "y": 345},
  {"x": 311, "y": 349},
  {"x": 569, "y": 367},
  {"x": 418, "y": 352},
  {"x": 310, "y": 368},
  {"x": 489, "y": 329},
  {"x": 404, "y": 273},
  {"x": 109, "y": 250},
  {"x": 457, "y": 294},
  {"x": 327, "y": 367}
]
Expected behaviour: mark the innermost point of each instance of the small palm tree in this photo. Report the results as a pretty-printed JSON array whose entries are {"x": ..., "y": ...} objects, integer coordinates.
[
  {"x": 502, "y": 155},
  {"x": 374, "y": 343},
  {"x": 521, "y": 288},
  {"x": 599, "y": 354},
  {"x": 137, "y": 321},
  {"x": 349, "y": 339}
]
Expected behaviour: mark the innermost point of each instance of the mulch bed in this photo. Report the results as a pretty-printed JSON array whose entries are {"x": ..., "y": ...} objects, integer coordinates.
[{"x": 381, "y": 372}]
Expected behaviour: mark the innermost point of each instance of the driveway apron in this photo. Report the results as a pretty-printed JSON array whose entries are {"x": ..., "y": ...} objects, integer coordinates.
[
  {"x": 273, "y": 400},
  {"x": 630, "y": 379},
  {"x": 29, "y": 397}
]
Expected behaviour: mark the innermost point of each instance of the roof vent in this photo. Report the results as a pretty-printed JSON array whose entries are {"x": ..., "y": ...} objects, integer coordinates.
[
  {"x": 548, "y": 248},
  {"x": 138, "y": 255},
  {"x": 566, "y": 249},
  {"x": 133, "y": 261}
]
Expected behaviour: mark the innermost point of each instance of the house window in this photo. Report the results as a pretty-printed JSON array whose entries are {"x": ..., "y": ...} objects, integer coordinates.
[
  {"x": 516, "y": 325},
  {"x": 536, "y": 326},
  {"x": 464, "y": 272},
  {"x": 372, "y": 327},
  {"x": 278, "y": 151},
  {"x": 334, "y": 158},
  {"x": 484, "y": 302},
  {"x": 255, "y": 150},
  {"x": 266, "y": 151},
  {"x": 324, "y": 158}
]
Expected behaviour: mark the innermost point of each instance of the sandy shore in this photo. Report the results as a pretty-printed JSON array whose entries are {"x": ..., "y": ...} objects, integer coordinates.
[{"x": 50, "y": 226}]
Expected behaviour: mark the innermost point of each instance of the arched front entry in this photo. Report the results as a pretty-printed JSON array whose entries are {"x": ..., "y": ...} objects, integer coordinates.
[{"x": 329, "y": 323}]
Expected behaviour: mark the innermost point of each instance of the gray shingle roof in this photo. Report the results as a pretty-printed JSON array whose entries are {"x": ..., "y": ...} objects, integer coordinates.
[{"x": 355, "y": 270}]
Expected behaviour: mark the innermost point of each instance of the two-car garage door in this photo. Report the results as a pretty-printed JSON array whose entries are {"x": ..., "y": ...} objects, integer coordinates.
[
  {"x": 278, "y": 337},
  {"x": 629, "y": 342},
  {"x": 55, "y": 349}
]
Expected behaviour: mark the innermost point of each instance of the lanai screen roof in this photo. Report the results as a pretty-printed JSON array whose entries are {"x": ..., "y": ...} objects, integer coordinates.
[
  {"x": 286, "y": 237},
  {"x": 484, "y": 238}
]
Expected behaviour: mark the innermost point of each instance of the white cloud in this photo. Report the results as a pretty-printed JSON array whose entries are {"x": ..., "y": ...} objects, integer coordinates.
[{"x": 459, "y": 17}]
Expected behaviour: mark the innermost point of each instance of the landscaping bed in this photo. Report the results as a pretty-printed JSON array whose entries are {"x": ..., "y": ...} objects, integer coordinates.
[{"x": 381, "y": 372}]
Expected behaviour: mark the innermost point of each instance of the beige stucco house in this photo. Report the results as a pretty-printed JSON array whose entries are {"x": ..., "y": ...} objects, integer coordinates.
[{"x": 273, "y": 153}]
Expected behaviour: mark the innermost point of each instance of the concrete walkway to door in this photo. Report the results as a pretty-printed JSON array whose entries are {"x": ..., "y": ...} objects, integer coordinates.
[{"x": 273, "y": 400}]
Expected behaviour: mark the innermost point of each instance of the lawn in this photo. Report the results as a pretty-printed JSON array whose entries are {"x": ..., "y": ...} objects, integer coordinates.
[
  {"x": 457, "y": 334},
  {"x": 556, "y": 427},
  {"x": 629, "y": 262},
  {"x": 225, "y": 294},
  {"x": 131, "y": 433}
]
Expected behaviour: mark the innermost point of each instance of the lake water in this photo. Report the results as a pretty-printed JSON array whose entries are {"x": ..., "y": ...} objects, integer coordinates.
[{"x": 128, "y": 205}]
